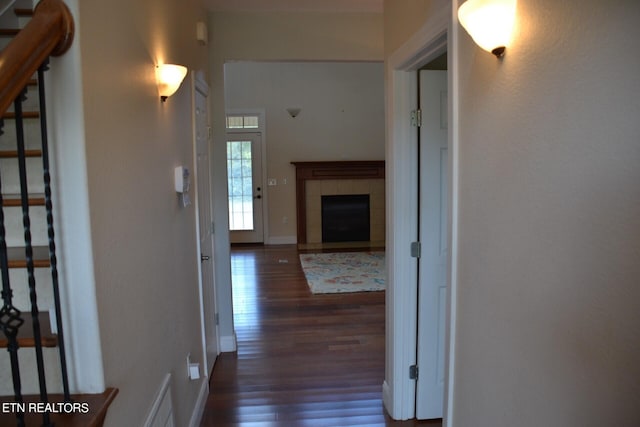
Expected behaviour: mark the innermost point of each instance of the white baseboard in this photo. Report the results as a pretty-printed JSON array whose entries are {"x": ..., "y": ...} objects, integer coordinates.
[
  {"x": 387, "y": 398},
  {"x": 201, "y": 402},
  {"x": 282, "y": 240},
  {"x": 228, "y": 343}
]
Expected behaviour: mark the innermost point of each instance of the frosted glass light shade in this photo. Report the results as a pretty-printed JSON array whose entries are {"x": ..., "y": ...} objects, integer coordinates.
[
  {"x": 489, "y": 22},
  {"x": 169, "y": 78}
]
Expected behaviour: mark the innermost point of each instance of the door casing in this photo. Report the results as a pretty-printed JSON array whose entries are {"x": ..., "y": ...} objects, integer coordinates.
[
  {"x": 431, "y": 40},
  {"x": 205, "y": 247}
]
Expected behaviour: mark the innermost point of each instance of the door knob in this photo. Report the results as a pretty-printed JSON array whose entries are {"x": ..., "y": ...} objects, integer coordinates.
[
  {"x": 204, "y": 258},
  {"x": 258, "y": 197}
]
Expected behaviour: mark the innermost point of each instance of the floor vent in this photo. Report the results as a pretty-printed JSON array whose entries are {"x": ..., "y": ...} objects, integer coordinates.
[{"x": 161, "y": 414}]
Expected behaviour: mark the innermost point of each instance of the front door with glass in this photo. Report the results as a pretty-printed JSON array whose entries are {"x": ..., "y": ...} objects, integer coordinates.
[{"x": 244, "y": 174}]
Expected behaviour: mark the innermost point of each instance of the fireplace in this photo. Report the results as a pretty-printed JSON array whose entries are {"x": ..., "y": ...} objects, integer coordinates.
[
  {"x": 345, "y": 218},
  {"x": 315, "y": 180}
]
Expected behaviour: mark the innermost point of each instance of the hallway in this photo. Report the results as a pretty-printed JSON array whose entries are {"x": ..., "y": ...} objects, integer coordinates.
[{"x": 302, "y": 359}]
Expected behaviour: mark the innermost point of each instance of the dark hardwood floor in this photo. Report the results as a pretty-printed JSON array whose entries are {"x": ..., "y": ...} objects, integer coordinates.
[{"x": 302, "y": 359}]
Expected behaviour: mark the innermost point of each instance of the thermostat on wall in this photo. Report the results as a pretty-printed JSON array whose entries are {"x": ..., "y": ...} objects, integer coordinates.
[
  {"x": 181, "y": 176},
  {"x": 182, "y": 181}
]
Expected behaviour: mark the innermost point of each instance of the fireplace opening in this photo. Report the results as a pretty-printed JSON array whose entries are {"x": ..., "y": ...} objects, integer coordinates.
[{"x": 345, "y": 218}]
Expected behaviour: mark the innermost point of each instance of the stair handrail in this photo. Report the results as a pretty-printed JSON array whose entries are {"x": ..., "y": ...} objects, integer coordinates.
[{"x": 49, "y": 33}]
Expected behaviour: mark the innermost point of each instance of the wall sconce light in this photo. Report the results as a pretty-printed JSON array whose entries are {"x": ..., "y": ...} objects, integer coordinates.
[
  {"x": 489, "y": 22},
  {"x": 293, "y": 112},
  {"x": 169, "y": 77}
]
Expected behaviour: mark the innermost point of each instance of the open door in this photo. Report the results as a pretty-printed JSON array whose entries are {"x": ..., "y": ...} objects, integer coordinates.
[
  {"x": 207, "y": 283},
  {"x": 432, "y": 276}
]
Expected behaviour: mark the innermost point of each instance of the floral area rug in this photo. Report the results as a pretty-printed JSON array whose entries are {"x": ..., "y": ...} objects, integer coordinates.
[{"x": 342, "y": 272}]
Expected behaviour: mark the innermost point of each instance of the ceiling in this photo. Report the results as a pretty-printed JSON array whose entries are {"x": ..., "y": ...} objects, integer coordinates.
[{"x": 374, "y": 6}]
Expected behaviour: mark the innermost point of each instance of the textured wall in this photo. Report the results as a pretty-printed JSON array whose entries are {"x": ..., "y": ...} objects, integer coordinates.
[
  {"x": 548, "y": 325},
  {"x": 144, "y": 243},
  {"x": 548, "y": 318}
]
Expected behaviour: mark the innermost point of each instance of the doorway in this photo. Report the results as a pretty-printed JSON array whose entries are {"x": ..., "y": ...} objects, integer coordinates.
[
  {"x": 205, "y": 232},
  {"x": 245, "y": 187},
  {"x": 399, "y": 388}
]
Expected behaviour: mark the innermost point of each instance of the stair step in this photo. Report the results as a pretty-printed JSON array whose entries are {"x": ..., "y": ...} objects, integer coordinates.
[
  {"x": 98, "y": 404},
  {"x": 23, "y": 12},
  {"x": 25, "y": 115},
  {"x": 25, "y": 333},
  {"x": 14, "y": 200},
  {"x": 9, "y": 32},
  {"x": 12, "y": 154},
  {"x": 17, "y": 258}
]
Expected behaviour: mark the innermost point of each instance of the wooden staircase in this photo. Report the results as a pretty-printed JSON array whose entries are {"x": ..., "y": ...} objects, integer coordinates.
[{"x": 34, "y": 198}]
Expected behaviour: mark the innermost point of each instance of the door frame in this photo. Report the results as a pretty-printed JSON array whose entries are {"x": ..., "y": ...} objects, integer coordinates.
[
  {"x": 435, "y": 37},
  {"x": 199, "y": 84},
  {"x": 262, "y": 131}
]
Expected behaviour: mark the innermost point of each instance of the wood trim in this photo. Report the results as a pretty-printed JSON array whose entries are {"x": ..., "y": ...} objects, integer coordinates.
[
  {"x": 49, "y": 32},
  {"x": 17, "y": 258},
  {"x": 25, "y": 115},
  {"x": 25, "y": 332},
  {"x": 98, "y": 404},
  {"x": 14, "y": 201},
  {"x": 23, "y": 12},
  {"x": 11, "y": 154},
  {"x": 305, "y": 171},
  {"x": 9, "y": 32}
]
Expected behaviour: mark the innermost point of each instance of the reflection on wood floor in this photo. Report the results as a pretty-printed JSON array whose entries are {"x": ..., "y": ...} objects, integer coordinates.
[{"x": 302, "y": 359}]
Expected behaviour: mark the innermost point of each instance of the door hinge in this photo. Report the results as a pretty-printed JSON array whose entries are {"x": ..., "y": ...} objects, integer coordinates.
[
  {"x": 213, "y": 228},
  {"x": 217, "y": 319},
  {"x": 413, "y": 372},
  {"x": 209, "y": 132},
  {"x": 415, "y": 249},
  {"x": 416, "y": 118}
]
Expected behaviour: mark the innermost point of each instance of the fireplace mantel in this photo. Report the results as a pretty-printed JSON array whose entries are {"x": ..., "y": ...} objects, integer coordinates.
[{"x": 305, "y": 171}]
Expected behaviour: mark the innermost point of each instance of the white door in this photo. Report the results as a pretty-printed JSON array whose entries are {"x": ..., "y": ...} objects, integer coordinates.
[
  {"x": 244, "y": 174},
  {"x": 203, "y": 177},
  {"x": 432, "y": 275}
]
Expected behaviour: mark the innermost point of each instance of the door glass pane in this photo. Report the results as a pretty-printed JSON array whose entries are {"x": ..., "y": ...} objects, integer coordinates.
[
  {"x": 250, "y": 122},
  {"x": 243, "y": 122},
  {"x": 240, "y": 185},
  {"x": 234, "y": 122}
]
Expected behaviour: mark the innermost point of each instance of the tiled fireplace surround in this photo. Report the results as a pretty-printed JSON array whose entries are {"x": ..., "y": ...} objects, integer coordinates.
[{"x": 317, "y": 179}]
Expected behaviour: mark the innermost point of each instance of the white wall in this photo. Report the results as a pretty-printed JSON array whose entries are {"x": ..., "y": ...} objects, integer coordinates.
[
  {"x": 143, "y": 244},
  {"x": 549, "y": 219},
  {"x": 342, "y": 118},
  {"x": 272, "y": 37}
]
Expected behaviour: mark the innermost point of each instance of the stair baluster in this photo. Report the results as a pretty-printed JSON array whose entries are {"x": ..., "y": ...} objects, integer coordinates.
[
  {"x": 51, "y": 232},
  {"x": 26, "y": 221},
  {"x": 10, "y": 316}
]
